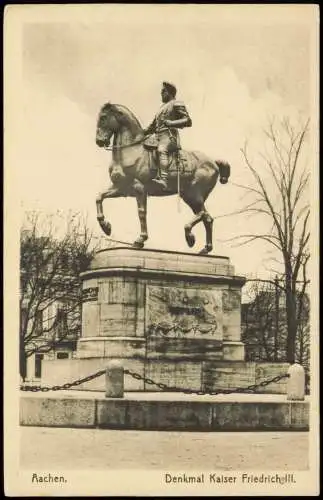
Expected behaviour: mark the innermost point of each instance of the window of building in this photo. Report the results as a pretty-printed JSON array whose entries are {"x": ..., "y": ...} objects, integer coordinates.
[
  {"x": 38, "y": 327},
  {"x": 61, "y": 320},
  {"x": 62, "y": 355},
  {"x": 38, "y": 363}
]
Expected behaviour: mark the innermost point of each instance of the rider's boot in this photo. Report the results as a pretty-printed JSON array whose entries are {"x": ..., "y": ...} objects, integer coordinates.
[
  {"x": 163, "y": 165},
  {"x": 162, "y": 181}
]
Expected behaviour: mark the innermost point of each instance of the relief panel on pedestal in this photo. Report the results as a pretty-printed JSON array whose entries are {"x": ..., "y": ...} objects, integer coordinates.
[
  {"x": 183, "y": 323},
  {"x": 184, "y": 313}
]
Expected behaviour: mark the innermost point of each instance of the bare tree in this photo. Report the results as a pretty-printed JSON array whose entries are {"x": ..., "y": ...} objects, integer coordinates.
[
  {"x": 50, "y": 291},
  {"x": 279, "y": 194},
  {"x": 302, "y": 350},
  {"x": 263, "y": 325}
]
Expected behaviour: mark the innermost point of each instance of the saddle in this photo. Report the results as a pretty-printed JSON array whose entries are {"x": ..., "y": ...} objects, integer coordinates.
[
  {"x": 178, "y": 157},
  {"x": 150, "y": 143}
]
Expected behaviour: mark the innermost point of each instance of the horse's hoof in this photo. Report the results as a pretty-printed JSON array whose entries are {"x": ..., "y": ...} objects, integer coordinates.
[
  {"x": 138, "y": 244},
  {"x": 207, "y": 249},
  {"x": 190, "y": 239},
  {"x": 105, "y": 226}
]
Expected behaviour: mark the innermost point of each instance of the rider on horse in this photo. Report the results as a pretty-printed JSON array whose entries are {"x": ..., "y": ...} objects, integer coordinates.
[{"x": 171, "y": 116}]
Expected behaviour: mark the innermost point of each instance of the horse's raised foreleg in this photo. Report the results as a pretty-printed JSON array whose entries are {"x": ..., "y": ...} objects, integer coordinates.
[
  {"x": 141, "y": 197},
  {"x": 112, "y": 192}
]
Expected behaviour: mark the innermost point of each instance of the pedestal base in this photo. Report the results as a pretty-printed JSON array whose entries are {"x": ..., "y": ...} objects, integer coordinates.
[{"x": 170, "y": 317}]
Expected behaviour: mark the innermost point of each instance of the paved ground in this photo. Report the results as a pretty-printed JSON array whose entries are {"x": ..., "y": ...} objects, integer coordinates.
[{"x": 101, "y": 449}]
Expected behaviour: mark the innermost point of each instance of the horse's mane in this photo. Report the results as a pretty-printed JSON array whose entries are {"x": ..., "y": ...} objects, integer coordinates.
[{"x": 129, "y": 114}]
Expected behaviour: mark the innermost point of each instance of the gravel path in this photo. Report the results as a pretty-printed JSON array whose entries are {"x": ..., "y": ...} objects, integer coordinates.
[{"x": 100, "y": 449}]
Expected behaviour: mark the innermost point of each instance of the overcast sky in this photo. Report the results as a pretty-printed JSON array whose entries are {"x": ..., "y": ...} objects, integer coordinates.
[{"x": 232, "y": 71}]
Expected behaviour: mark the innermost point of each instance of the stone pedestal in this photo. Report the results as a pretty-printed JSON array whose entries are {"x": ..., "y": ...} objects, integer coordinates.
[{"x": 172, "y": 317}]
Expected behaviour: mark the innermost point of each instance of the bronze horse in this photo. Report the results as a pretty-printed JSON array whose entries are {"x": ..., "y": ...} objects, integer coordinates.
[{"x": 191, "y": 174}]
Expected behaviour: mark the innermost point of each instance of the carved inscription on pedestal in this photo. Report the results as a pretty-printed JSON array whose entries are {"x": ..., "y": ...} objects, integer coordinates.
[{"x": 184, "y": 313}]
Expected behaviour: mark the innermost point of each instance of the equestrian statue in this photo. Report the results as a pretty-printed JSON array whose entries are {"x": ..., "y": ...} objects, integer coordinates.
[{"x": 150, "y": 162}]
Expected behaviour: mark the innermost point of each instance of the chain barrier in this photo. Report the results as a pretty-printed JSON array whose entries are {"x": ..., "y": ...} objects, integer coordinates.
[
  {"x": 164, "y": 387},
  {"x": 64, "y": 387}
]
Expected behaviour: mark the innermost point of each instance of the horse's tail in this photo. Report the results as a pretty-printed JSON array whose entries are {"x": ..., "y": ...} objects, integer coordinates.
[{"x": 224, "y": 170}]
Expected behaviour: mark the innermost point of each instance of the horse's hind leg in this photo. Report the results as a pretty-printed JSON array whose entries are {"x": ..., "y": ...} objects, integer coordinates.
[
  {"x": 201, "y": 214},
  {"x": 189, "y": 236},
  {"x": 208, "y": 223},
  {"x": 197, "y": 207}
]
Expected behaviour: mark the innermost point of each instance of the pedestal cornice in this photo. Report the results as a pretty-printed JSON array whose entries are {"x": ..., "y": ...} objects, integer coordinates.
[{"x": 152, "y": 264}]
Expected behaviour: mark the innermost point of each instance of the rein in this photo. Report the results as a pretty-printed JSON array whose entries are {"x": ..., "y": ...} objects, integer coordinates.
[{"x": 112, "y": 148}]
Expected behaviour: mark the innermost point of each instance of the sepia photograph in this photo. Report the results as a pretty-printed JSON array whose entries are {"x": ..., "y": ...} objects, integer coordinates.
[{"x": 161, "y": 269}]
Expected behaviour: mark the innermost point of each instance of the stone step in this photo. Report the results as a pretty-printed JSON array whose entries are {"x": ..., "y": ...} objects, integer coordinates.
[{"x": 162, "y": 413}]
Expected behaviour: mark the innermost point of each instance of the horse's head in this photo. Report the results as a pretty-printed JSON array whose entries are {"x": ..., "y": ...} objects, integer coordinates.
[
  {"x": 107, "y": 125},
  {"x": 112, "y": 119}
]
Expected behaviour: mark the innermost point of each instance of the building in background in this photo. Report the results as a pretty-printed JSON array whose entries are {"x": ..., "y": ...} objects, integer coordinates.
[{"x": 50, "y": 295}]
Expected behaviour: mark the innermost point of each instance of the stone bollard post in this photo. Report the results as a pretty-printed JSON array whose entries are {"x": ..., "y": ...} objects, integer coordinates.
[
  {"x": 296, "y": 383},
  {"x": 114, "y": 380}
]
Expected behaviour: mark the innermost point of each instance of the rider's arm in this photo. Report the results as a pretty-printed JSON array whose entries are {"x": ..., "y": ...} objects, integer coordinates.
[
  {"x": 183, "y": 119},
  {"x": 151, "y": 128}
]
